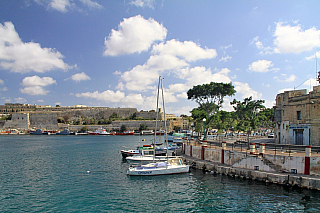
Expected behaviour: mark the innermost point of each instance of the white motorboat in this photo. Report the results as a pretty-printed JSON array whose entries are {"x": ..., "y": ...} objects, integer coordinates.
[{"x": 172, "y": 166}]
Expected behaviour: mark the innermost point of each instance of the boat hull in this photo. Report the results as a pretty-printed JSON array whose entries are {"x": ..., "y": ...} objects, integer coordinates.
[{"x": 169, "y": 170}]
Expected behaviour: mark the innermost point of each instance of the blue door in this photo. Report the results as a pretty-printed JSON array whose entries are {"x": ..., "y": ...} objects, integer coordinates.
[{"x": 299, "y": 136}]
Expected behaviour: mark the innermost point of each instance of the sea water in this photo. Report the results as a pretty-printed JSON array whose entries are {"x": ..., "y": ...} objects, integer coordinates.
[{"x": 56, "y": 173}]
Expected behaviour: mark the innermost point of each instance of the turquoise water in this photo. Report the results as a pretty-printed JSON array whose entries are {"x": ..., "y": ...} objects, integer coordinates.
[{"x": 50, "y": 174}]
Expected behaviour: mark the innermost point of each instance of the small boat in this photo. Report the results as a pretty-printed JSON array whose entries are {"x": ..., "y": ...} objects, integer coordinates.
[
  {"x": 172, "y": 166},
  {"x": 64, "y": 132},
  {"x": 37, "y": 132},
  {"x": 144, "y": 150},
  {"x": 125, "y": 133},
  {"x": 100, "y": 132}
]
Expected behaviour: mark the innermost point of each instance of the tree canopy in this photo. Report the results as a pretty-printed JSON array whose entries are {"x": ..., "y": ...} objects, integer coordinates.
[
  {"x": 210, "y": 99},
  {"x": 247, "y": 113}
]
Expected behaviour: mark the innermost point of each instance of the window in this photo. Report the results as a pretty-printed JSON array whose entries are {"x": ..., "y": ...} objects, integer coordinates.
[{"x": 298, "y": 115}]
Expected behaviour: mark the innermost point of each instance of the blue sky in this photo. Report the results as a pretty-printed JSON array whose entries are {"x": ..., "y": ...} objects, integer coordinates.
[{"x": 111, "y": 53}]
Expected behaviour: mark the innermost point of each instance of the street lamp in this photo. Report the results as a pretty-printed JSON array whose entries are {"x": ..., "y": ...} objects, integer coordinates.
[{"x": 204, "y": 128}]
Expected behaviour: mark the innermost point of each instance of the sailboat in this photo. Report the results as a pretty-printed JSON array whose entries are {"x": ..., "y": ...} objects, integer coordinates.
[{"x": 173, "y": 165}]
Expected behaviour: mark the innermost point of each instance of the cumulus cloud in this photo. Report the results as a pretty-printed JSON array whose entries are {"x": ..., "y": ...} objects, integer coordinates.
[
  {"x": 107, "y": 96},
  {"x": 21, "y": 57},
  {"x": 172, "y": 56},
  {"x": 186, "y": 50},
  {"x": 261, "y": 66},
  {"x": 293, "y": 39},
  {"x": 34, "y": 85},
  {"x": 35, "y": 90},
  {"x": 80, "y": 77},
  {"x": 1, "y": 81},
  {"x": 134, "y": 35},
  {"x": 246, "y": 90},
  {"x": 143, "y": 3}
]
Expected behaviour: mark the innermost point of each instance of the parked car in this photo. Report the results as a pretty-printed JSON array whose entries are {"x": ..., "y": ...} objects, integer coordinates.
[{"x": 271, "y": 135}]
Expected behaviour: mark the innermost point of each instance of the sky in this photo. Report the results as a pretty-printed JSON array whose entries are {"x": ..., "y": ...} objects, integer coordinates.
[{"x": 111, "y": 53}]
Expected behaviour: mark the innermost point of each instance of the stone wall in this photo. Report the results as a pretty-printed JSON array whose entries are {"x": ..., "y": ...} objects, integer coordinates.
[
  {"x": 18, "y": 121},
  {"x": 46, "y": 121}
]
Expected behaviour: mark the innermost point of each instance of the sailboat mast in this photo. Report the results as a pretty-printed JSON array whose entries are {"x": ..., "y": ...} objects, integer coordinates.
[
  {"x": 165, "y": 121},
  {"x": 157, "y": 117}
]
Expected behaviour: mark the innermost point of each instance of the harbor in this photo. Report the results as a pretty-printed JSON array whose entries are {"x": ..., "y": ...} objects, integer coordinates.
[{"x": 50, "y": 174}]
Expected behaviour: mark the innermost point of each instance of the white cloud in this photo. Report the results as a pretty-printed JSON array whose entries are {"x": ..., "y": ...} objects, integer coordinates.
[
  {"x": 135, "y": 34},
  {"x": 310, "y": 83},
  {"x": 246, "y": 90},
  {"x": 263, "y": 50},
  {"x": 34, "y": 85},
  {"x": 314, "y": 56},
  {"x": 35, "y": 90},
  {"x": 80, "y": 77},
  {"x": 269, "y": 103},
  {"x": 37, "y": 81},
  {"x": 60, "y": 5},
  {"x": 1, "y": 81},
  {"x": 91, "y": 4},
  {"x": 143, "y": 3},
  {"x": 225, "y": 59},
  {"x": 201, "y": 75},
  {"x": 293, "y": 39},
  {"x": 40, "y": 101},
  {"x": 261, "y": 66},
  {"x": 20, "y": 100},
  {"x": 286, "y": 78},
  {"x": 66, "y": 5},
  {"x": 187, "y": 50},
  {"x": 21, "y": 57},
  {"x": 106, "y": 96}
]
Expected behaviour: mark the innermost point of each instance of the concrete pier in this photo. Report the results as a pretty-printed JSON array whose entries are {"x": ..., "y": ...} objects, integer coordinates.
[
  {"x": 287, "y": 179},
  {"x": 288, "y": 169}
]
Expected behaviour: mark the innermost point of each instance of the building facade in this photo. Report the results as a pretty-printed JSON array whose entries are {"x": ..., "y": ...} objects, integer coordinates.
[{"x": 297, "y": 117}]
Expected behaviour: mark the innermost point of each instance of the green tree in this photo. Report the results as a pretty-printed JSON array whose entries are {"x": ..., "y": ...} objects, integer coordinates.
[
  {"x": 247, "y": 113},
  {"x": 142, "y": 127},
  {"x": 210, "y": 98},
  {"x": 114, "y": 116},
  {"x": 266, "y": 117},
  {"x": 84, "y": 129}
]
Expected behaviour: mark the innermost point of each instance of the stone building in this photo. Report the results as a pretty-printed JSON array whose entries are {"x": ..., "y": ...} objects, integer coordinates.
[{"x": 297, "y": 117}]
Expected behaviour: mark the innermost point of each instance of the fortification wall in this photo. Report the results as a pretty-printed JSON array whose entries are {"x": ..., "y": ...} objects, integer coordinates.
[
  {"x": 18, "y": 121},
  {"x": 46, "y": 121},
  {"x": 147, "y": 115},
  {"x": 96, "y": 113}
]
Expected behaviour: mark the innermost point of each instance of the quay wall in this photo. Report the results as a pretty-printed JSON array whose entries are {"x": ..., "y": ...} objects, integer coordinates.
[
  {"x": 288, "y": 180},
  {"x": 280, "y": 169}
]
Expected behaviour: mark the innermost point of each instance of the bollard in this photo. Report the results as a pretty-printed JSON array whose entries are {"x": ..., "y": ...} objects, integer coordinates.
[
  {"x": 224, "y": 146},
  {"x": 252, "y": 148},
  {"x": 307, "y": 160},
  {"x": 262, "y": 149}
]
